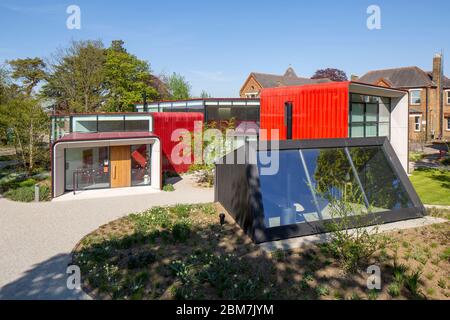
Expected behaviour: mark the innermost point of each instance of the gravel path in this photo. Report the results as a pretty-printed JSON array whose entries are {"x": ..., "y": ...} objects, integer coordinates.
[{"x": 36, "y": 238}]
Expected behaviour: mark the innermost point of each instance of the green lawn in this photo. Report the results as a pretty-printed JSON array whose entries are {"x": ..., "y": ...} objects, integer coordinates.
[{"x": 433, "y": 186}]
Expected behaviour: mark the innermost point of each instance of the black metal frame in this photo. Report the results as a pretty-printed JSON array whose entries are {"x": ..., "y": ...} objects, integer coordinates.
[{"x": 237, "y": 188}]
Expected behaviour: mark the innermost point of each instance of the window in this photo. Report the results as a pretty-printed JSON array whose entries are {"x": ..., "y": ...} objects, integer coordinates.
[
  {"x": 448, "y": 124},
  {"x": 448, "y": 96},
  {"x": 369, "y": 116},
  {"x": 415, "y": 96},
  {"x": 307, "y": 179},
  {"x": 417, "y": 123}
]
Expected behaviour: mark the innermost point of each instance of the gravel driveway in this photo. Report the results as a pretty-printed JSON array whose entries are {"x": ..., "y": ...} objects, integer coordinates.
[{"x": 36, "y": 238}]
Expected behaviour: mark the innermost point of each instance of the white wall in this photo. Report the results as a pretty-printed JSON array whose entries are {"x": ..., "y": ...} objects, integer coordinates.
[{"x": 399, "y": 128}]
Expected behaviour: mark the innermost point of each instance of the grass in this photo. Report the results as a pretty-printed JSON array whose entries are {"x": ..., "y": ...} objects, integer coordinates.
[
  {"x": 416, "y": 156},
  {"x": 432, "y": 185}
]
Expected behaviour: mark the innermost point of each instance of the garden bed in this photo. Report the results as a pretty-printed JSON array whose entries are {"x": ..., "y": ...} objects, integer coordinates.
[{"x": 183, "y": 252}]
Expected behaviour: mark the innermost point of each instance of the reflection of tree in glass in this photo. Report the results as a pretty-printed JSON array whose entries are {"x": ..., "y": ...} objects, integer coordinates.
[
  {"x": 334, "y": 176},
  {"x": 382, "y": 187}
]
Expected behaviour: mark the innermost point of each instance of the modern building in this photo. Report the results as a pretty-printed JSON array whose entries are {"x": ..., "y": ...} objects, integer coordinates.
[
  {"x": 114, "y": 150},
  {"x": 429, "y": 98},
  {"x": 256, "y": 81},
  {"x": 344, "y": 142},
  {"x": 360, "y": 180},
  {"x": 337, "y": 110},
  {"x": 215, "y": 110}
]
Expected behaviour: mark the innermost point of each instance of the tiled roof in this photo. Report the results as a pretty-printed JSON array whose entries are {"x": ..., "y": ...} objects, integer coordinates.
[
  {"x": 408, "y": 77},
  {"x": 288, "y": 79}
]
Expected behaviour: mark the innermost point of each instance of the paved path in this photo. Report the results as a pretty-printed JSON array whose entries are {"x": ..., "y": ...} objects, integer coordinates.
[{"x": 36, "y": 238}]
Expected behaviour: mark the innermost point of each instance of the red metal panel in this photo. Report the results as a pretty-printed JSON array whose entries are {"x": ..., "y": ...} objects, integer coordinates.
[
  {"x": 319, "y": 110},
  {"x": 164, "y": 124}
]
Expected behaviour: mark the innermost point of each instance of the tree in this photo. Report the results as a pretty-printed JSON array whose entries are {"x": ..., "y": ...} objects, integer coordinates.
[
  {"x": 23, "y": 115},
  {"x": 179, "y": 87},
  {"x": 205, "y": 95},
  {"x": 30, "y": 71},
  {"x": 330, "y": 73},
  {"x": 126, "y": 79},
  {"x": 76, "y": 79}
]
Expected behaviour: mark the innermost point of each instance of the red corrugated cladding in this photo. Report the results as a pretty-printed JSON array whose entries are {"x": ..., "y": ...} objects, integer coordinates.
[
  {"x": 164, "y": 123},
  {"x": 319, "y": 110}
]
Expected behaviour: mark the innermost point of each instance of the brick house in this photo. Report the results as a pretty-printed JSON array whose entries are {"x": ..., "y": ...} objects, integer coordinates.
[
  {"x": 429, "y": 98},
  {"x": 257, "y": 81}
]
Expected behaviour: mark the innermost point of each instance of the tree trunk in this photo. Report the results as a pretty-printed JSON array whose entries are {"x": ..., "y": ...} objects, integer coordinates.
[
  {"x": 30, "y": 168},
  {"x": 19, "y": 141}
]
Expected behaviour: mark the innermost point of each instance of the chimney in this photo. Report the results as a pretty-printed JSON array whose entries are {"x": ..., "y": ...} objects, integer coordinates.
[
  {"x": 354, "y": 77},
  {"x": 437, "y": 69}
]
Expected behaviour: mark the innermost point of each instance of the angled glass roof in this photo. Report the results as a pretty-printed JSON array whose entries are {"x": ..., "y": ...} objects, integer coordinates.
[
  {"x": 296, "y": 199},
  {"x": 308, "y": 179}
]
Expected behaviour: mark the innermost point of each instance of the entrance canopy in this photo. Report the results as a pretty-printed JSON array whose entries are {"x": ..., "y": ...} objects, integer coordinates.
[{"x": 289, "y": 191}]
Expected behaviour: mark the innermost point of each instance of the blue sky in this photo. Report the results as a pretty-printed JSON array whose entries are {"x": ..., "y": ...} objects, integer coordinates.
[{"x": 216, "y": 44}]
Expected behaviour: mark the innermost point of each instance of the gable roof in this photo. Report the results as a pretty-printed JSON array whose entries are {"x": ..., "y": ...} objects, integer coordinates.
[
  {"x": 288, "y": 79},
  {"x": 407, "y": 77}
]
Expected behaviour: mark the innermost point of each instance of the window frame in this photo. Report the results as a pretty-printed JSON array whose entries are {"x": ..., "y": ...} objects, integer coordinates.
[
  {"x": 411, "y": 96},
  {"x": 448, "y": 97},
  {"x": 448, "y": 124},
  {"x": 418, "y": 123}
]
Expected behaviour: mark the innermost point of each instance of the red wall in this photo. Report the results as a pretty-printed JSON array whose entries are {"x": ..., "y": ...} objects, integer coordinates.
[
  {"x": 164, "y": 123},
  {"x": 319, "y": 111}
]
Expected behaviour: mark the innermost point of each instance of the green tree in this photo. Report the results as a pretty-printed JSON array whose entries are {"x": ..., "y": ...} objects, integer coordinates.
[
  {"x": 30, "y": 71},
  {"x": 76, "y": 79},
  {"x": 205, "y": 95},
  {"x": 24, "y": 116},
  {"x": 179, "y": 87},
  {"x": 126, "y": 79}
]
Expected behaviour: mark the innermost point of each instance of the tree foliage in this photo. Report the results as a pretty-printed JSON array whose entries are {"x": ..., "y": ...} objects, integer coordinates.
[
  {"x": 76, "y": 79},
  {"x": 179, "y": 87},
  {"x": 126, "y": 79},
  {"x": 29, "y": 124},
  {"x": 29, "y": 71},
  {"x": 330, "y": 73}
]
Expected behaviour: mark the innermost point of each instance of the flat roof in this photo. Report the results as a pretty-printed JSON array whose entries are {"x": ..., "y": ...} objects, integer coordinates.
[{"x": 91, "y": 136}]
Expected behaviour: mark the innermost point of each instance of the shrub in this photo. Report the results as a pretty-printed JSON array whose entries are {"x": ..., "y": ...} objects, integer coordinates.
[
  {"x": 181, "y": 210},
  {"x": 26, "y": 194},
  {"x": 181, "y": 230},
  {"x": 394, "y": 289},
  {"x": 322, "y": 290},
  {"x": 412, "y": 282},
  {"x": 168, "y": 188},
  {"x": 353, "y": 248},
  {"x": 416, "y": 156},
  {"x": 28, "y": 183}
]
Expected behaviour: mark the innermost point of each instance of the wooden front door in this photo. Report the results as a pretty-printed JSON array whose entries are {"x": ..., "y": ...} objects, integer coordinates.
[{"x": 120, "y": 167}]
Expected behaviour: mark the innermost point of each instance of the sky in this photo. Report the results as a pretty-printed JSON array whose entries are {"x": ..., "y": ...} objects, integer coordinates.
[{"x": 216, "y": 44}]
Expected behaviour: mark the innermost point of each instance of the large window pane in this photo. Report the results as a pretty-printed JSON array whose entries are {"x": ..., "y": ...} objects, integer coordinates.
[
  {"x": 137, "y": 123},
  {"x": 357, "y": 112},
  {"x": 140, "y": 165},
  {"x": 371, "y": 129},
  {"x": 110, "y": 123},
  {"x": 84, "y": 124},
  {"x": 382, "y": 187},
  {"x": 383, "y": 130},
  {"x": 371, "y": 112},
  {"x": 304, "y": 185},
  {"x": 357, "y": 131},
  {"x": 91, "y": 168}
]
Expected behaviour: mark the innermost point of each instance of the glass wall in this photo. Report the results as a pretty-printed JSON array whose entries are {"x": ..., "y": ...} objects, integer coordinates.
[
  {"x": 90, "y": 167},
  {"x": 111, "y": 123},
  {"x": 369, "y": 116},
  {"x": 308, "y": 181},
  {"x": 141, "y": 165}
]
